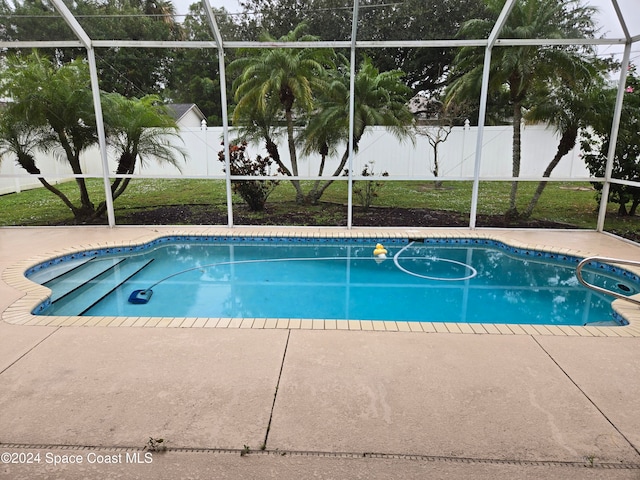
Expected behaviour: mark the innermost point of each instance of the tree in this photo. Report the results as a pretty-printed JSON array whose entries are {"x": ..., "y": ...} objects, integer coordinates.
[
  {"x": 58, "y": 102},
  {"x": 138, "y": 130},
  {"x": 435, "y": 120},
  {"x": 32, "y": 20},
  {"x": 128, "y": 71},
  {"x": 326, "y": 19},
  {"x": 380, "y": 99},
  {"x": 194, "y": 76},
  {"x": 626, "y": 162},
  {"x": 568, "y": 107},
  {"x": 425, "y": 68},
  {"x": 517, "y": 68},
  {"x": 306, "y": 89},
  {"x": 52, "y": 110},
  {"x": 21, "y": 140},
  {"x": 131, "y": 71},
  {"x": 286, "y": 77}
]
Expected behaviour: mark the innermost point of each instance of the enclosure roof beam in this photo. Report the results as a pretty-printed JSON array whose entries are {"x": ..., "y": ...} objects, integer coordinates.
[
  {"x": 478, "y": 42},
  {"x": 502, "y": 19},
  {"x": 484, "y": 94},
  {"x": 523, "y": 42},
  {"x": 352, "y": 109},
  {"x": 623, "y": 23},
  {"x": 72, "y": 22},
  {"x": 40, "y": 44},
  {"x": 213, "y": 24},
  {"x": 613, "y": 137},
  {"x": 501, "y": 42},
  {"x": 155, "y": 44}
]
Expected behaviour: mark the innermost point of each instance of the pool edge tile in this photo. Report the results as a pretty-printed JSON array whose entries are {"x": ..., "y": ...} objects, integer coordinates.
[
  {"x": 235, "y": 323},
  {"x": 211, "y": 323},
  {"x": 354, "y": 325},
  {"x": 246, "y": 322}
]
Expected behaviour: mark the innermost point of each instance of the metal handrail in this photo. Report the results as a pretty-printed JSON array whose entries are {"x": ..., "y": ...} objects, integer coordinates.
[{"x": 618, "y": 261}]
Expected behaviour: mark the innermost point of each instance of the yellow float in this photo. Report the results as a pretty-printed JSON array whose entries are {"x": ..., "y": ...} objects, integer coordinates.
[{"x": 380, "y": 251}]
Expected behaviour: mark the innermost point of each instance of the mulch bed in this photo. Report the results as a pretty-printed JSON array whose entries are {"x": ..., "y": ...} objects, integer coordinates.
[{"x": 373, "y": 217}]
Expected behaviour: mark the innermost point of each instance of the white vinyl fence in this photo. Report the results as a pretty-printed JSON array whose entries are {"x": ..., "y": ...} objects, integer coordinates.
[{"x": 378, "y": 147}]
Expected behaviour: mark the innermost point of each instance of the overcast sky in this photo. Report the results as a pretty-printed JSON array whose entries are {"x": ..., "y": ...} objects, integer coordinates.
[{"x": 232, "y": 6}]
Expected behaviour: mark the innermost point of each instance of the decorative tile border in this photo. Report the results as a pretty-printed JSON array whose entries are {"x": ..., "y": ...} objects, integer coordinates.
[
  {"x": 91, "y": 253},
  {"x": 37, "y": 297}
]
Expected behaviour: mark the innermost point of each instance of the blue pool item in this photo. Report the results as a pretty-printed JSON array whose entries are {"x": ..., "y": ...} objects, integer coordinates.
[{"x": 140, "y": 296}]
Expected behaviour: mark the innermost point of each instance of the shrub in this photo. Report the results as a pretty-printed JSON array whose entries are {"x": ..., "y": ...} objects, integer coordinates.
[
  {"x": 367, "y": 190},
  {"x": 253, "y": 192}
]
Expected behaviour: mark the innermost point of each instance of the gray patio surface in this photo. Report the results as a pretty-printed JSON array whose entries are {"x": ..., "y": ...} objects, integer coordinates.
[{"x": 323, "y": 404}]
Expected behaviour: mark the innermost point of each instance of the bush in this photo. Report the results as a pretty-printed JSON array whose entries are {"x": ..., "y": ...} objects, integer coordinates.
[
  {"x": 253, "y": 192},
  {"x": 367, "y": 190}
]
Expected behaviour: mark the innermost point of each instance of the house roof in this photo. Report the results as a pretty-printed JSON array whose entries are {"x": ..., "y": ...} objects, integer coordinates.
[{"x": 179, "y": 110}]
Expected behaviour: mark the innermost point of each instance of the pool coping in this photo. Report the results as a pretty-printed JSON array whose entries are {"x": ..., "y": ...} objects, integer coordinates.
[{"x": 20, "y": 311}]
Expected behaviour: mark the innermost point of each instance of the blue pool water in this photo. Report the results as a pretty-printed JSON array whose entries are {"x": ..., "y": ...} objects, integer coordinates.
[{"x": 477, "y": 281}]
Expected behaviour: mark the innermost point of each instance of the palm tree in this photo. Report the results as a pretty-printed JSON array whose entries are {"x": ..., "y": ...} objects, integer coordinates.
[
  {"x": 263, "y": 125},
  {"x": 58, "y": 101},
  {"x": 380, "y": 99},
  {"x": 568, "y": 107},
  {"x": 164, "y": 10},
  {"x": 518, "y": 68},
  {"x": 52, "y": 110},
  {"x": 287, "y": 77},
  {"x": 138, "y": 129},
  {"x": 22, "y": 141}
]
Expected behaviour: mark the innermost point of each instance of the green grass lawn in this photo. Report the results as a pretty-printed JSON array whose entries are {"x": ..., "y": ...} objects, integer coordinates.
[{"x": 569, "y": 203}]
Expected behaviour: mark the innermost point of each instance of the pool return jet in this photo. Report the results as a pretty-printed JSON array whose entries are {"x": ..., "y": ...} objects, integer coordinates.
[{"x": 143, "y": 296}]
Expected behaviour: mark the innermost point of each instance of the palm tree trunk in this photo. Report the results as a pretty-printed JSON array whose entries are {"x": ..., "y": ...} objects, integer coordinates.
[
  {"x": 126, "y": 166},
  {"x": 60, "y": 195},
  {"x": 567, "y": 142},
  {"x": 313, "y": 196},
  {"x": 73, "y": 158},
  {"x": 320, "y": 191},
  {"x": 512, "y": 212},
  {"x": 292, "y": 155},
  {"x": 272, "y": 150},
  {"x": 622, "y": 210},
  {"x": 357, "y": 136},
  {"x": 28, "y": 163}
]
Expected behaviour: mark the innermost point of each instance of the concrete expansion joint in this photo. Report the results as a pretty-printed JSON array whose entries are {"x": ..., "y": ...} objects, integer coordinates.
[{"x": 588, "y": 463}]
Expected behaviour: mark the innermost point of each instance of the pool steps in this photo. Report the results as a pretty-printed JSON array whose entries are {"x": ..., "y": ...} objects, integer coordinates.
[
  {"x": 81, "y": 299},
  {"x": 47, "y": 275},
  {"x": 62, "y": 285}
]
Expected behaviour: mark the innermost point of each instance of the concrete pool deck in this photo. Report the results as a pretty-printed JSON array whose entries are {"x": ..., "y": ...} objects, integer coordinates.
[{"x": 324, "y": 404}]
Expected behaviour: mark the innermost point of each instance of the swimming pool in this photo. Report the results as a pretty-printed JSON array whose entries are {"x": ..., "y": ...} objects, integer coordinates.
[{"x": 422, "y": 280}]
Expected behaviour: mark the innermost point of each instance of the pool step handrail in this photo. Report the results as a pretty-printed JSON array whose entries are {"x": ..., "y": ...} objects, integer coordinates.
[{"x": 606, "y": 291}]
